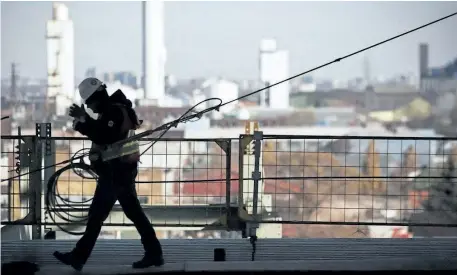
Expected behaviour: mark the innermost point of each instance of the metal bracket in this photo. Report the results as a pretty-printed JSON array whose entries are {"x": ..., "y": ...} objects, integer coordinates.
[
  {"x": 38, "y": 129},
  {"x": 258, "y": 135},
  {"x": 232, "y": 220},
  {"x": 245, "y": 140},
  {"x": 28, "y": 219},
  {"x": 48, "y": 142},
  {"x": 25, "y": 151},
  {"x": 223, "y": 144}
]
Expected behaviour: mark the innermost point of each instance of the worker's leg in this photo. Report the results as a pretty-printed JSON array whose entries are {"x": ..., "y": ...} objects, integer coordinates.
[
  {"x": 102, "y": 203},
  {"x": 128, "y": 199},
  {"x": 132, "y": 209}
]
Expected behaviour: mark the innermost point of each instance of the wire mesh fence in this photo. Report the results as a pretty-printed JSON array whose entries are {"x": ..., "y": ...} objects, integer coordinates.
[
  {"x": 179, "y": 183},
  {"x": 308, "y": 181},
  {"x": 14, "y": 192},
  {"x": 361, "y": 180}
]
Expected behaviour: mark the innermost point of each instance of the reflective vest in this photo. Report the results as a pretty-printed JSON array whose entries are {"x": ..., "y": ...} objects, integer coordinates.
[{"x": 128, "y": 152}]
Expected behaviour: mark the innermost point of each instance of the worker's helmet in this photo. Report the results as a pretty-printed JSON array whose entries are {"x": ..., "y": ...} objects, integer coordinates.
[{"x": 88, "y": 87}]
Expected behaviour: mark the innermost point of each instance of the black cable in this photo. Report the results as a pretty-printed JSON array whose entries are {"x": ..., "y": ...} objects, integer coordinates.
[
  {"x": 183, "y": 119},
  {"x": 80, "y": 172},
  {"x": 59, "y": 208},
  {"x": 46, "y": 167},
  {"x": 52, "y": 194}
]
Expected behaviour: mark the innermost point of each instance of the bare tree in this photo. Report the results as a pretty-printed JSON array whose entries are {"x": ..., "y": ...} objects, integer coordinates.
[
  {"x": 372, "y": 168},
  {"x": 409, "y": 161}
]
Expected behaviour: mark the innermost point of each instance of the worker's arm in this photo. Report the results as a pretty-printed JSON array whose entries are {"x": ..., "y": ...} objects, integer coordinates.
[{"x": 104, "y": 130}]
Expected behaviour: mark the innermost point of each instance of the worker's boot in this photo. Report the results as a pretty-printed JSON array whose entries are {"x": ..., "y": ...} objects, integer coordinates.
[
  {"x": 149, "y": 260},
  {"x": 69, "y": 259}
]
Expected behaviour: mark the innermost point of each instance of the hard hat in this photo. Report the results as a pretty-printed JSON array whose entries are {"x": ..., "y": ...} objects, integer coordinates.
[{"x": 88, "y": 87}]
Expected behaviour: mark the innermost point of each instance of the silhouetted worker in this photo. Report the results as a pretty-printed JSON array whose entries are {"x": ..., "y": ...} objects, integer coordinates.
[{"x": 116, "y": 172}]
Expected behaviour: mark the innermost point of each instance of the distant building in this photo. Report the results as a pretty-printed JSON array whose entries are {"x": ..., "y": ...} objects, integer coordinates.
[
  {"x": 60, "y": 60},
  {"x": 91, "y": 72},
  {"x": 125, "y": 78},
  {"x": 225, "y": 90},
  {"x": 274, "y": 67},
  {"x": 440, "y": 79},
  {"x": 325, "y": 85},
  {"x": 423, "y": 60},
  {"x": 154, "y": 53}
]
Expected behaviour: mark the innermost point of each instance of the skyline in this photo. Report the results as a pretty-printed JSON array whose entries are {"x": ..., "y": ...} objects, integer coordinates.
[{"x": 229, "y": 45}]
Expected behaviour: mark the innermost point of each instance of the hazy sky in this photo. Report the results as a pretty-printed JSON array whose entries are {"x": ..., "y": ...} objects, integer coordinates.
[{"x": 222, "y": 38}]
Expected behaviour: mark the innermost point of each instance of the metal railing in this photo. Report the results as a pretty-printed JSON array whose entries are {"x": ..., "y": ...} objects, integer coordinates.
[
  {"x": 237, "y": 184},
  {"x": 362, "y": 180},
  {"x": 168, "y": 175}
]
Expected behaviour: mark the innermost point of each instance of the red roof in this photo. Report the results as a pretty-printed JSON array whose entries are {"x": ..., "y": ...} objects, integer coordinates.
[
  {"x": 289, "y": 230},
  {"x": 274, "y": 187},
  {"x": 217, "y": 188},
  {"x": 208, "y": 188}
]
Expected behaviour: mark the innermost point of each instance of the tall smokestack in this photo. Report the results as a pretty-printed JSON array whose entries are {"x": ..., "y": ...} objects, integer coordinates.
[
  {"x": 154, "y": 54},
  {"x": 423, "y": 60},
  {"x": 60, "y": 60}
]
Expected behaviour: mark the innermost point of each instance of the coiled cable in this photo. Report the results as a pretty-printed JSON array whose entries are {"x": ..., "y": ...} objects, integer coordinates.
[{"x": 64, "y": 208}]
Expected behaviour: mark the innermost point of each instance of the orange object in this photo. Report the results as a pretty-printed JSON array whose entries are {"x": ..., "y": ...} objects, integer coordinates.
[
  {"x": 416, "y": 198},
  {"x": 401, "y": 234}
]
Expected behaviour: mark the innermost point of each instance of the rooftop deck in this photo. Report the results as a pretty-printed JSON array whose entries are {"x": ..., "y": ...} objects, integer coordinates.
[
  {"x": 115, "y": 256},
  {"x": 302, "y": 185}
]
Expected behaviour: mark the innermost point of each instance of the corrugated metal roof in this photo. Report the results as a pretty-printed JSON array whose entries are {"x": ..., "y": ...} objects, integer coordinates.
[
  {"x": 264, "y": 266},
  {"x": 245, "y": 266},
  {"x": 125, "y": 251}
]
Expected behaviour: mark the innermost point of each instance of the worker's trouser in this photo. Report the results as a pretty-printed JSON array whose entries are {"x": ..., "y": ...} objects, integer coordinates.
[{"x": 116, "y": 182}]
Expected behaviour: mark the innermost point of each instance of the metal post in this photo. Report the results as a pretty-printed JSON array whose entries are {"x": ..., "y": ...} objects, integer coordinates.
[
  {"x": 241, "y": 148},
  {"x": 34, "y": 187},
  {"x": 10, "y": 199},
  {"x": 228, "y": 174},
  {"x": 18, "y": 166},
  {"x": 35, "y": 183},
  {"x": 256, "y": 174},
  {"x": 49, "y": 163},
  {"x": 49, "y": 152}
]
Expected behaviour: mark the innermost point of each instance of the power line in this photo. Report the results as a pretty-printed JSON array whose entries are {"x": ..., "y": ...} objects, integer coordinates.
[
  {"x": 197, "y": 115},
  {"x": 344, "y": 57}
]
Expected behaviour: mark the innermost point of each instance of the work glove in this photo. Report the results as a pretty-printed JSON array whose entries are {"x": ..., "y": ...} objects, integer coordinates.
[{"x": 77, "y": 111}]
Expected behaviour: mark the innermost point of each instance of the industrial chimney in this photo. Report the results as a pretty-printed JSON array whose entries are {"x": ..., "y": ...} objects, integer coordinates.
[
  {"x": 154, "y": 53},
  {"x": 60, "y": 60},
  {"x": 423, "y": 60}
]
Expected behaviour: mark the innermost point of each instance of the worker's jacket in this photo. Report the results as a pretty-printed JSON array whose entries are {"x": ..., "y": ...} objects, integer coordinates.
[{"x": 117, "y": 122}]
